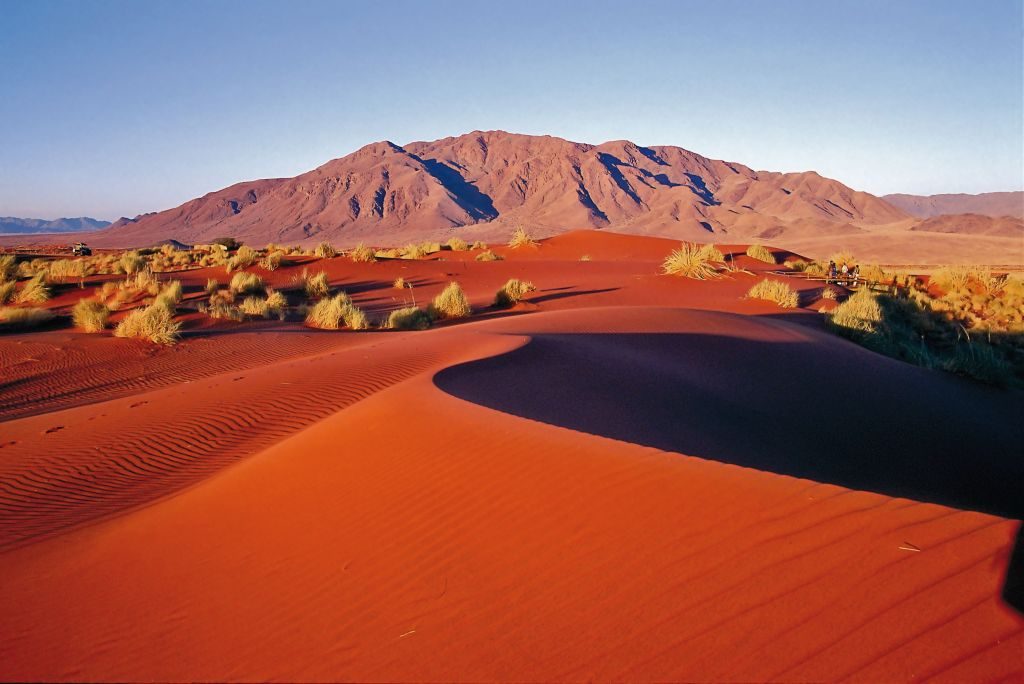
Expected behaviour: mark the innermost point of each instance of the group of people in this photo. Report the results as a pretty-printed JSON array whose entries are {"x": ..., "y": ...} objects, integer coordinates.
[{"x": 846, "y": 276}]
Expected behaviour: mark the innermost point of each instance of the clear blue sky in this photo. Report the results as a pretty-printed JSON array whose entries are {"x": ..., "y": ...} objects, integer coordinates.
[{"x": 117, "y": 108}]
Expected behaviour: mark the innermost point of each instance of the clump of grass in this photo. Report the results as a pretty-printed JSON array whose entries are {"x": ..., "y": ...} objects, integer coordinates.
[
  {"x": 390, "y": 253},
  {"x": 399, "y": 283},
  {"x": 16, "y": 318},
  {"x": 255, "y": 306},
  {"x": 830, "y": 293},
  {"x": 8, "y": 266},
  {"x": 843, "y": 257},
  {"x": 273, "y": 260},
  {"x": 222, "y": 309},
  {"x": 409, "y": 318},
  {"x": 430, "y": 247},
  {"x": 211, "y": 286},
  {"x": 315, "y": 286},
  {"x": 689, "y": 261},
  {"x": 132, "y": 262},
  {"x": 276, "y": 302},
  {"x": 90, "y": 315},
  {"x": 761, "y": 253},
  {"x": 798, "y": 265},
  {"x": 331, "y": 312},
  {"x": 244, "y": 258},
  {"x": 246, "y": 283},
  {"x": 362, "y": 254},
  {"x": 512, "y": 291},
  {"x": 478, "y": 245},
  {"x": 860, "y": 313},
  {"x": 451, "y": 303},
  {"x": 521, "y": 238},
  {"x": 585, "y": 257},
  {"x": 711, "y": 253},
  {"x": 775, "y": 291},
  {"x": 457, "y": 244},
  {"x": 154, "y": 323},
  {"x": 7, "y": 290},
  {"x": 325, "y": 250},
  {"x": 412, "y": 251},
  {"x": 34, "y": 291},
  {"x": 488, "y": 255},
  {"x": 169, "y": 296}
]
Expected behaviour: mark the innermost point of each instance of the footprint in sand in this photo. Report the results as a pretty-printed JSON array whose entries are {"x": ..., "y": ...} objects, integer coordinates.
[{"x": 138, "y": 403}]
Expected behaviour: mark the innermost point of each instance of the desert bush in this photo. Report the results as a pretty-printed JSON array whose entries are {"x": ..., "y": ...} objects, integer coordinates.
[
  {"x": 222, "y": 309},
  {"x": 390, "y": 253},
  {"x": 399, "y": 283},
  {"x": 90, "y": 315},
  {"x": 228, "y": 243},
  {"x": 457, "y": 244},
  {"x": 521, "y": 238},
  {"x": 860, "y": 313},
  {"x": 362, "y": 254},
  {"x": 412, "y": 251},
  {"x": 711, "y": 253},
  {"x": 799, "y": 265},
  {"x": 255, "y": 306},
  {"x": 409, "y": 318},
  {"x": 8, "y": 266},
  {"x": 478, "y": 245},
  {"x": 325, "y": 250},
  {"x": 331, "y": 312},
  {"x": 65, "y": 269},
  {"x": 34, "y": 291},
  {"x": 775, "y": 291},
  {"x": 512, "y": 291},
  {"x": 132, "y": 262},
  {"x": 169, "y": 296},
  {"x": 315, "y": 286},
  {"x": 142, "y": 281},
  {"x": 15, "y": 318},
  {"x": 211, "y": 286},
  {"x": 689, "y": 262},
  {"x": 276, "y": 301},
  {"x": 243, "y": 258},
  {"x": 451, "y": 303},
  {"x": 488, "y": 255},
  {"x": 7, "y": 290},
  {"x": 246, "y": 283},
  {"x": 761, "y": 253},
  {"x": 830, "y": 293},
  {"x": 273, "y": 261},
  {"x": 430, "y": 247},
  {"x": 154, "y": 323},
  {"x": 843, "y": 257}
]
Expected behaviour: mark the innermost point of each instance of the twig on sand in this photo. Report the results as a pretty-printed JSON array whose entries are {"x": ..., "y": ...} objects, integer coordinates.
[
  {"x": 907, "y": 546},
  {"x": 411, "y": 631}
]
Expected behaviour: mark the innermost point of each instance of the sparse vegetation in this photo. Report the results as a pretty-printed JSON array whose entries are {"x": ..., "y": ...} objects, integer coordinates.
[
  {"x": 276, "y": 302},
  {"x": 154, "y": 323},
  {"x": 243, "y": 258},
  {"x": 409, "y": 318},
  {"x": 457, "y": 244},
  {"x": 412, "y": 251},
  {"x": 521, "y": 238},
  {"x": 273, "y": 260},
  {"x": 211, "y": 286},
  {"x": 451, "y": 303},
  {"x": 132, "y": 262},
  {"x": 7, "y": 290},
  {"x": 255, "y": 306},
  {"x": 169, "y": 296},
  {"x": 689, "y": 261},
  {"x": 585, "y": 257},
  {"x": 798, "y": 265},
  {"x": 315, "y": 286},
  {"x": 90, "y": 315},
  {"x": 331, "y": 312},
  {"x": 761, "y": 253},
  {"x": 830, "y": 293},
  {"x": 325, "y": 250},
  {"x": 488, "y": 255},
  {"x": 34, "y": 291},
  {"x": 711, "y": 253},
  {"x": 246, "y": 283},
  {"x": 16, "y": 318},
  {"x": 8, "y": 266},
  {"x": 775, "y": 291},
  {"x": 478, "y": 245},
  {"x": 399, "y": 283},
  {"x": 362, "y": 254},
  {"x": 843, "y": 257},
  {"x": 512, "y": 291}
]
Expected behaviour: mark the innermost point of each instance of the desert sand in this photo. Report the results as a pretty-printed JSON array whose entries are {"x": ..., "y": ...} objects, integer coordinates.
[{"x": 627, "y": 476}]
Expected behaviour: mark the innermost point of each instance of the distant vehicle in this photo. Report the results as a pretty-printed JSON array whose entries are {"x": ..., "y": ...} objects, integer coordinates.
[{"x": 81, "y": 249}]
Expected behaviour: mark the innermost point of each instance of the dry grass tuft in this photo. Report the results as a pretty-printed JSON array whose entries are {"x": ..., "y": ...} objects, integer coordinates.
[
  {"x": 409, "y": 318},
  {"x": 7, "y": 290},
  {"x": 153, "y": 323},
  {"x": 325, "y": 250},
  {"x": 273, "y": 260},
  {"x": 512, "y": 291},
  {"x": 689, "y": 261},
  {"x": 412, "y": 251},
  {"x": 520, "y": 238},
  {"x": 362, "y": 254},
  {"x": 457, "y": 244},
  {"x": 90, "y": 315},
  {"x": 451, "y": 303},
  {"x": 34, "y": 291},
  {"x": 761, "y": 253},
  {"x": 211, "y": 286},
  {"x": 331, "y": 312},
  {"x": 860, "y": 312},
  {"x": 244, "y": 258},
  {"x": 13, "y": 318},
  {"x": 255, "y": 306},
  {"x": 315, "y": 286},
  {"x": 399, "y": 283},
  {"x": 8, "y": 266},
  {"x": 488, "y": 255},
  {"x": 132, "y": 262},
  {"x": 169, "y": 296},
  {"x": 711, "y": 253},
  {"x": 775, "y": 291},
  {"x": 246, "y": 283}
]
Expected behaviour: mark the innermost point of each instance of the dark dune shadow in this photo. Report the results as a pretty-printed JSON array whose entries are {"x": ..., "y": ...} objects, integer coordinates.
[
  {"x": 564, "y": 295},
  {"x": 836, "y": 415}
]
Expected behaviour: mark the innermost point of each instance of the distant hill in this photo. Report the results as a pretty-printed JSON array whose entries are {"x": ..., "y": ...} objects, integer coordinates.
[
  {"x": 22, "y": 226},
  {"x": 973, "y": 224},
  {"x": 480, "y": 185},
  {"x": 985, "y": 204}
]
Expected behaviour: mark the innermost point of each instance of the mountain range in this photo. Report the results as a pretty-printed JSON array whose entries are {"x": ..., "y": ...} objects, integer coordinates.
[{"x": 10, "y": 225}]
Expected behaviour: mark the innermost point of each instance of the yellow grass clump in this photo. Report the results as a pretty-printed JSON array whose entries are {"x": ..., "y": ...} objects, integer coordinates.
[
  {"x": 775, "y": 291},
  {"x": 211, "y": 286},
  {"x": 244, "y": 258},
  {"x": 246, "y": 283},
  {"x": 412, "y": 251},
  {"x": 451, "y": 303},
  {"x": 457, "y": 244},
  {"x": 273, "y": 260},
  {"x": 399, "y": 283},
  {"x": 362, "y": 254},
  {"x": 169, "y": 296},
  {"x": 325, "y": 250},
  {"x": 711, "y": 253},
  {"x": 521, "y": 238},
  {"x": 8, "y": 266},
  {"x": 90, "y": 315},
  {"x": 761, "y": 253},
  {"x": 34, "y": 291},
  {"x": 132, "y": 262},
  {"x": 15, "y": 318},
  {"x": 154, "y": 323},
  {"x": 409, "y": 318},
  {"x": 276, "y": 301},
  {"x": 7, "y": 290},
  {"x": 315, "y": 286},
  {"x": 255, "y": 306},
  {"x": 512, "y": 291},
  {"x": 478, "y": 245},
  {"x": 861, "y": 312},
  {"x": 689, "y": 261},
  {"x": 331, "y": 312},
  {"x": 488, "y": 255}
]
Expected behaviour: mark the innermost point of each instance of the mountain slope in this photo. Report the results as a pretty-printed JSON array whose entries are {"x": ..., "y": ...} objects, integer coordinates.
[
  {"x": 986, "y": 204},
  {"x": 483, "y": 183},
  {"x": 12, "y": 225}
]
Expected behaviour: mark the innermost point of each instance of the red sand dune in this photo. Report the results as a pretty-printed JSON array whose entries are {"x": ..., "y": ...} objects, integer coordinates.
[{"x": 626, "y": 477}]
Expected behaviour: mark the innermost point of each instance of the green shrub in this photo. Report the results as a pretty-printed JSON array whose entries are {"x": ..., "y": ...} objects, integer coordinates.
[
  {"x": 512, "y": 291},
  {"x": 451, "y": 303},
  {"x": 409, "y": 318},
  {"x": 153, "y": 323},
  {"x": 689, "y": 261},
  {"x": 90, "y": 315},
  {"x": 775, "y": 291},
  {"x": 761, "y": 253}
]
